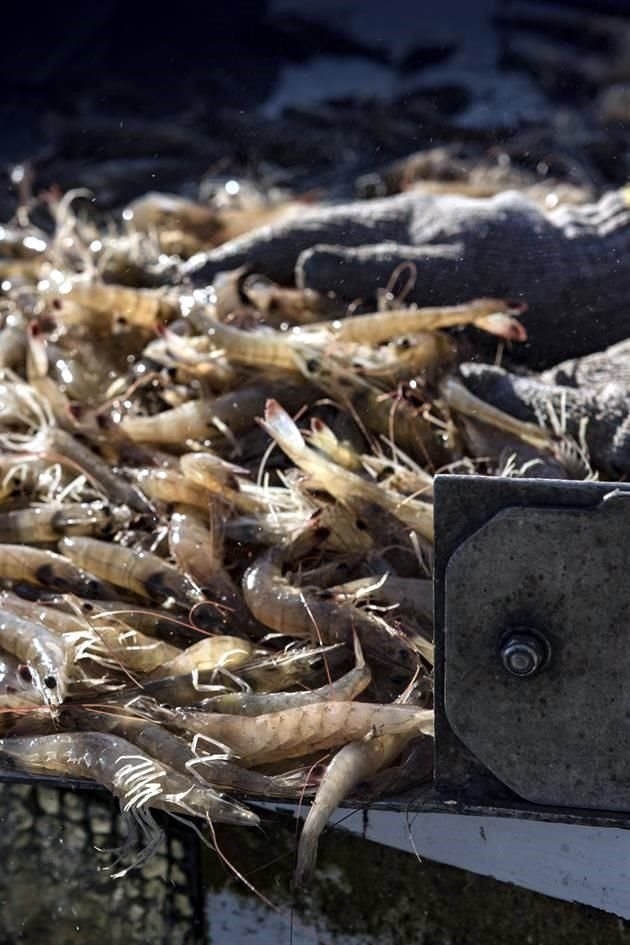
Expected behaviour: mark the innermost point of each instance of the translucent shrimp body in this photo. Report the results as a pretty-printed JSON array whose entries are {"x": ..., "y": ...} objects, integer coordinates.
[{"x": 46, "y": 657}]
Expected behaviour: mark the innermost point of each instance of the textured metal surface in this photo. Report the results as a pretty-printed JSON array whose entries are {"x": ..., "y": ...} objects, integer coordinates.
[{"x": 562, "y": 736}]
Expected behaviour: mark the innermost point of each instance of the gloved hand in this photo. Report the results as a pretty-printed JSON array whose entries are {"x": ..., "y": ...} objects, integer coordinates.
[
  {"x": 588, "y": 399},
  {"x": 571, "y": 265}
]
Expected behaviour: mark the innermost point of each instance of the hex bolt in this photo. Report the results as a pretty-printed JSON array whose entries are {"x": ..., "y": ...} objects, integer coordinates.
[{"x": 524, "y": 652}]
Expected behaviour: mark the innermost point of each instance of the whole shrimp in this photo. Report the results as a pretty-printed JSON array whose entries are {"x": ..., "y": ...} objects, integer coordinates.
[
  {"x": 202, "y": 759},
  {"x": 140, "y": 782},
  {"x": 492, "y": 315},
  {"x": 352, "y": 764},
  {"x": 345, "y": 689},
  {"x": 295, "y": 732}
]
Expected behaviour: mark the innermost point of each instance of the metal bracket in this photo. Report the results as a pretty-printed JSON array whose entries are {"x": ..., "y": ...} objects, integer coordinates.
[{"x": 532, "y": 606}]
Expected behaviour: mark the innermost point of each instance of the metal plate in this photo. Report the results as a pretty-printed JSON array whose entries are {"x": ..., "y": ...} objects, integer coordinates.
[{"x": 562, "y": 736}]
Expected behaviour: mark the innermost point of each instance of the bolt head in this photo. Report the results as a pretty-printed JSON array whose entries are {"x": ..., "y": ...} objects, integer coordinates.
[{"x": 523, "y": 653}]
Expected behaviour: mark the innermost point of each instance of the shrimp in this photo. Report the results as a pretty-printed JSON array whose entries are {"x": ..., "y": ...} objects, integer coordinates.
[
  {"x": 267, "y": 673},
  {"x": 492, "y": 315},
  {"x": 352, "y": 764},
  {"x": 67, "y": 449},
  {"x": 345, "y": 689},
  {"x": 198, "y": 552},
  {"x": 389, "y": 414},
  {"x": 47, "y": 569},
  {"x": 46, "y": 523},
  {"x": 268, "y": 349},
  {"x": 406, "y": 358},
  {"x": 300, "y": 731},
  {"x": 279, "y": 303},
  {"x": 168, "y": 485},
  {"x": 212, "y": 653},
  {"x": 140, "y": 572},
  {"x": 341, "y": 483},
  {"x": 103, "y": 308},
  {"x": 209, "y": 767},
  {"x": 206, "y": 470},
  {"x": 198, "y": 419},
  {"x": 462, "y": 401},
  {"x": 140, "y": 783},
  {"x": 304, "y": 612},
  {"x": 326, "y": 441},
  {"x": 45, "y": 657}
]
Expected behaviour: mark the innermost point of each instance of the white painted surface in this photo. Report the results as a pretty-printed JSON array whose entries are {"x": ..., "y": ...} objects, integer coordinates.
[
  {"x": 581, "y": 864},
  {"x": 588, "y": 865}
]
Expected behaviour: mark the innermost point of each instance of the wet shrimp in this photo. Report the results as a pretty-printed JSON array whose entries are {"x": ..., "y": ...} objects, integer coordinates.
[
  {"x": 352, "y": 764},
  {"x": 140, "y": 782},
  {"x": 208, "y": 655},
  {"x": 198, "y": 419},
  {"x": 47, "y": 569},
  {"x": 291, "y": 733},
  {"x": 491, "y": 315},
  {"x": 204, "y": 760},
  {"x": 306, "y": 612},
  {"x": 266, "y": 673},
  {"x": 171, "y": 486},
  {"x": 460, "y": 400},
  {"x": 103, "y": 308},
  {"x": 345, "y": 689},
  {"x": 45, "y": 658},
  {"x": 47, "y": 523},
  {"x": 198, "y": 553},
  {"x": 339, "y": 482},
  {"x": 137, "y": 571}
]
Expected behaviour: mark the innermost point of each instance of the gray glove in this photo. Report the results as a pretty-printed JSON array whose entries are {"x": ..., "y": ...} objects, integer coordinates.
[
  {"x": 595, "y": 389},
  {"x": 570, "y": 265}
]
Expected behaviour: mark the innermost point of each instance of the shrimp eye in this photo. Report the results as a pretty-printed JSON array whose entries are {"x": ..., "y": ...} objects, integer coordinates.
[
  {"x": 25, "y": 673},
  {"x": 312, "y": 365},
  {"x": 50, "y": 682}
]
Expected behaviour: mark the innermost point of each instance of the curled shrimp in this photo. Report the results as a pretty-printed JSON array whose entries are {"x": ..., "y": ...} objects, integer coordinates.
[{"x": 351, "y": 764}]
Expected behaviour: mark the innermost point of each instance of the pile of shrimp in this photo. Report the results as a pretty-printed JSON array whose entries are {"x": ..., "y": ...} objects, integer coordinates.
[{"x": 216, "y": 522}]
